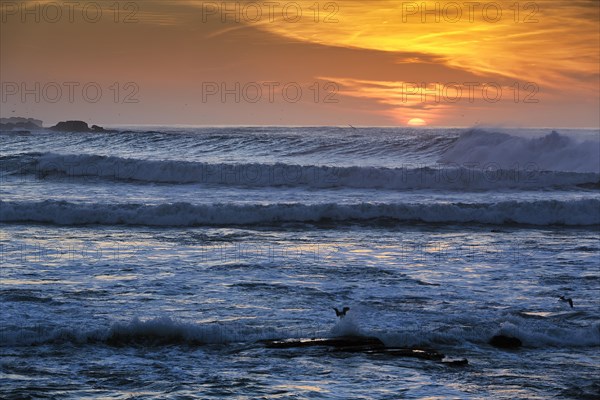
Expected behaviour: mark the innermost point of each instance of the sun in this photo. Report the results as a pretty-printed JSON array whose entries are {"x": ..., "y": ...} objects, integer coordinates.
[{"x": 416, "y": 122}]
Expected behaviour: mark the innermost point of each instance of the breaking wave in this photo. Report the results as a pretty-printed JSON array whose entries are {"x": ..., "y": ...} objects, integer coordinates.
[
  {"x": 584, "y": 212},
  {"x": 553, "y": 152},
  {"x": 164, "y": 331},
  {"x": 462, "y": 175}
]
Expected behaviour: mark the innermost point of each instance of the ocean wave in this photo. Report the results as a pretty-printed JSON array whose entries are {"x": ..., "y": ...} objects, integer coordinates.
[
  {"x": 155, "y": 331},
  {"x": 452, "y": 177},
  {"x": 553, "y": 152},
  {"x": 164, "y": 331},
  {"x": 532, "y": 334},
  {"x": 584, "y": 212}
]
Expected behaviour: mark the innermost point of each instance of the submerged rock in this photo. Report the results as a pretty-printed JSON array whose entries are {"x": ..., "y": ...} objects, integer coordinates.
[
  {"x": 362, "y": 344},
  {"x": 505, "y": 342},
  {"x": 337, "y": 342}
]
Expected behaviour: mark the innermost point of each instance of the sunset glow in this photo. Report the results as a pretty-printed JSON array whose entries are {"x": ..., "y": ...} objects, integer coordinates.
[
  {"x": 416, "y": 122},
  {"x": 356, "y": 62},
  {"x": 349, "y": 199}
]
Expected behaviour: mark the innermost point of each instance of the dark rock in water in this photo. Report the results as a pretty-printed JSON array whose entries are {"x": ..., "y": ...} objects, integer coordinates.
[
  {"x": 505, "y": 342},
  {"x": 456, "y": 363},
  {"x": 338, "y": 342},
  {"x": 78, "y": 126},
  {"x": 7, "y": 124},
  {"x": 71, "y": 126},
  {"x": 364, "y": 345},
  {"x": 97, "y": 128},
  {"x": 18, "y": 125},
  {"x": 423, "y": 354}
]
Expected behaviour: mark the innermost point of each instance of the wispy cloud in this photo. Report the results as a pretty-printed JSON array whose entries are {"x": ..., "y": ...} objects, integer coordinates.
[{"x": 551, "y": 43}]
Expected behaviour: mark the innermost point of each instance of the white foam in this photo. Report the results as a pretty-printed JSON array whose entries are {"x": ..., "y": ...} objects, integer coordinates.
[
  {"x": 168, "y": 331},
  {"x": 159, "y": 330},
  {"x": 553, "y": 152},
  {"x": 538, "y": 334}
]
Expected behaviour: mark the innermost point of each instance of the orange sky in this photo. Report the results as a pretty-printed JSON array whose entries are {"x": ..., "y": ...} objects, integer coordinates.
[{"x": 381, "y": 62}]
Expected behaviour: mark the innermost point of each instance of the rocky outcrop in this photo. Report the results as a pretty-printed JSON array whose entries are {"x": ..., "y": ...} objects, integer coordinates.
[
  {"x": 77, "y": 126},
  {"x": 19, "y": 123},
  {"x": 71, "y": 126}
]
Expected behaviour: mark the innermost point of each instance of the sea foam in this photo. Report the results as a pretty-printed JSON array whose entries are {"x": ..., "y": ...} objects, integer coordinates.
[{"x": 553, "y": 152}]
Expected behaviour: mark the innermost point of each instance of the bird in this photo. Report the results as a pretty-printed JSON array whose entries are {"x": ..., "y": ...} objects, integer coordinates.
[
  {"x": 342, "y": 313},
  {"x": 567, "y": 300}
]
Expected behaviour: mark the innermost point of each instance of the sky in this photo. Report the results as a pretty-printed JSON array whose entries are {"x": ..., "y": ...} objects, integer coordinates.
[{"x": 361, "y": 63}]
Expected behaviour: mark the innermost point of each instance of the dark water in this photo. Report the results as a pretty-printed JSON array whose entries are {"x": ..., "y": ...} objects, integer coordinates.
[{"x": 152, "y": 264}]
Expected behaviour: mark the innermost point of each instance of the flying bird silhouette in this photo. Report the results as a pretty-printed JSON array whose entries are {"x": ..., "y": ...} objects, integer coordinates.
[
  {"x": 341, "y": 314},
  {"x": 566, "y": 300}
]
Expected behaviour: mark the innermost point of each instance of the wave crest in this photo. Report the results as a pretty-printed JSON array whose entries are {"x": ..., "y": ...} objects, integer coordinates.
[
  {"x": 553, "y": 152},
  {"x": 463, "y": 176},
  {"x": 165, "y": 331},
  {"x": 544, "y": 212}
]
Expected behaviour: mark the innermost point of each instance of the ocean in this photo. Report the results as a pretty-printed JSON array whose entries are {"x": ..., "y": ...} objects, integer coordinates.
[{"x": 157, "y": 262}]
